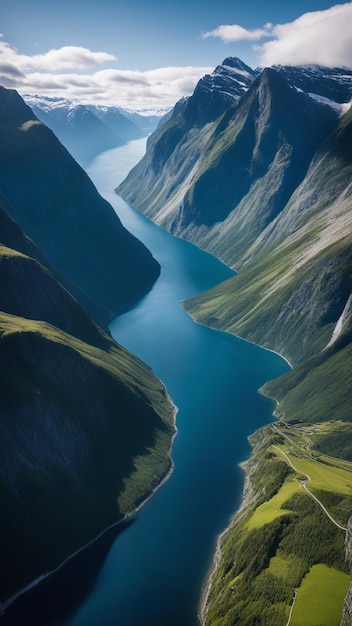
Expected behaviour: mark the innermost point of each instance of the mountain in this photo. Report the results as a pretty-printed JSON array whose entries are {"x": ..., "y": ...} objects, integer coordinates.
[
  {"x": 266, "y": 186},
  {"x": 175, "y": 149},
  {"x": 127, "y": 125},
  {"x": 85, "y": 427},
  {"x": 87, "y": 130},
  {"x": 144, "y": 119},
  {"x": 197, "y": 175},
  {"x": 59, "y": 209},
  {"x": 293, "y": 292}
]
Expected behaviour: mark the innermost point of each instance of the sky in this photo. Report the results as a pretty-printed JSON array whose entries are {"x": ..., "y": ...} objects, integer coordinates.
[{"x": 146, "y": 55}]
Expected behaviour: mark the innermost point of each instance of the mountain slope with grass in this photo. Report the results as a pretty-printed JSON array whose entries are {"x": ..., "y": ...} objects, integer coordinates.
[
  {"x": 293, "y": 294},
  {"x": 282, "y": 558},
  {"x": 85, "y": 426}
]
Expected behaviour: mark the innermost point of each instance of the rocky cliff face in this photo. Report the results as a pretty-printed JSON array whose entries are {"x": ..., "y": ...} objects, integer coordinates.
[
  {"x": 220, "y": 181},
  {"x": 58, "y": 207},
  {"x": 180, "y": 141},
  {"x": 347, "y": 609}
]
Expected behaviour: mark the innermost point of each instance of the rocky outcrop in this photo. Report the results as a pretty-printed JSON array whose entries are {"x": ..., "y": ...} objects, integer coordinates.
[{"x": 347, "y": 609}]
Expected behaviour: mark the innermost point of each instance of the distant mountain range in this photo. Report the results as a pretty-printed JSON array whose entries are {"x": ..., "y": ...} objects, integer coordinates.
[
  {"x": 85, "y": 427},
  {"x": 86, "y": 130},
  {"x": 256, "y": 167}
]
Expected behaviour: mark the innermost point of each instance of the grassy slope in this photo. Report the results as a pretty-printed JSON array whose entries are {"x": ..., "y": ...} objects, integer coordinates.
[
  {"x": 85, "y": 436},
  {"x": 321, "y": 594},
  {"x": 85, "y": 428},
  {"x": 277, "y": 540}
]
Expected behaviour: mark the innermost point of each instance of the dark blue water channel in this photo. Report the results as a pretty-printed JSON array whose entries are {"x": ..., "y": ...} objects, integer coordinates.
[{"x": 155, "y": 570}]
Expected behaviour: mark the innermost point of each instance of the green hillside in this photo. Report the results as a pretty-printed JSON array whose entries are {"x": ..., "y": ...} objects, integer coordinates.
[{"x": 85, "y": 427}]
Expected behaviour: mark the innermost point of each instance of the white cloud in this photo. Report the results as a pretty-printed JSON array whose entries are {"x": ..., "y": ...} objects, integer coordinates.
[
  {"x": 322, "y": 37},
  {"x": 234, "y": 32},
  {"x": 67, "y": 73},
  {"x": 67, "y": 58},
  {"x": 61, "y": 59}
]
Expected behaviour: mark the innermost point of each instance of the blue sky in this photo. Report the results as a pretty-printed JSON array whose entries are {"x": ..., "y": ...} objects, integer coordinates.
[{"x": 137, "y": 53}]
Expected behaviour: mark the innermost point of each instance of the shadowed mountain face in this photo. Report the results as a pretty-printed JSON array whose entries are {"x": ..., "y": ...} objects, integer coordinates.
[
  {"x": 175, "y": 149},
  {"x": 76, "y": 410},
  {"x": 58, "y": 207}
]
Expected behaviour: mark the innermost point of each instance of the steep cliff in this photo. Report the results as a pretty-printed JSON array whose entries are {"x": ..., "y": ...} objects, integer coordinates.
[
  {"x": 347, "y": 609},
  {"x": 158, "y": 183},
  {"x": 220, "y": 181},
  {"x": 58, "y": 207}
]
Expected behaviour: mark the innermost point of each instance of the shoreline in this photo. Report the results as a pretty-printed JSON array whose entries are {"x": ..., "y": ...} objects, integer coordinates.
[
  {"x": 12, "y": 599},
  {"x": 227, "y": 332},
  {"x": 247, "y": 490},
  {"x": 206, "y": 588},
  {"x": 246, "y": 498}
]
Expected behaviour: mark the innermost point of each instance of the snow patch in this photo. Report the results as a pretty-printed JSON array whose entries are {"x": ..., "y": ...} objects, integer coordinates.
[
  {"x": 339, "y": 325},
  {"x": 337, "y": 106}
]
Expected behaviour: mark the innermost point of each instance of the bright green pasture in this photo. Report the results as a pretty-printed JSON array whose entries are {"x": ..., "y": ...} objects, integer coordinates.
[
  {"x": 324, "y": 476},
  {"x": 270, "y": 510},
  {"x": 320, "y": 597}
]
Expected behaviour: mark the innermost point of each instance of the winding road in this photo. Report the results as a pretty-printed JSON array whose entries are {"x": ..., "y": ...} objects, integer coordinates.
[
  {"x": 308, "y": 478},
  {"x": 304, "y": 485}
]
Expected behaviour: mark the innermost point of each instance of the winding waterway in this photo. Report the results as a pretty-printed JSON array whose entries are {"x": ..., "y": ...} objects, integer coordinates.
[{"x": 154, "y": 572}]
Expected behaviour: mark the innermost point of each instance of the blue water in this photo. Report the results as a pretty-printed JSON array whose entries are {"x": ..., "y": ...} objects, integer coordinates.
[
  {"x": 155, "y": 570},
  {"x": 153, "y": 574}
]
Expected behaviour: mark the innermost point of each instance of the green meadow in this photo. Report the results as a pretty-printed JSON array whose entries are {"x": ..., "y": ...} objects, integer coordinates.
[{"x": 320, "y": 597}]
